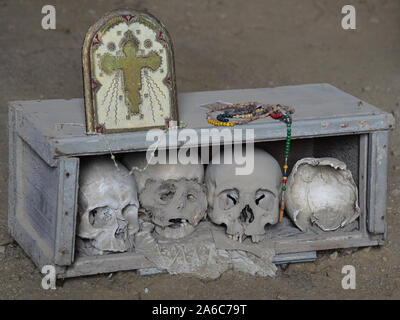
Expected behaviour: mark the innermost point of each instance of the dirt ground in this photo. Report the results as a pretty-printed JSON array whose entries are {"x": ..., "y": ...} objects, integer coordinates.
[{"x": 221, "y": 44}]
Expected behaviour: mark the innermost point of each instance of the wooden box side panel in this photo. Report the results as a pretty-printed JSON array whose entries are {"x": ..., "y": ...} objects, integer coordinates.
[
  {"x": 12, "y": 150},
  {"x": 33, "y": 197},
  {"x": 24, "y": 218},
  {"x": 37, "y": 249},
  {"x": 377, "y": 181},
  {"x": 37, "y": 190}
]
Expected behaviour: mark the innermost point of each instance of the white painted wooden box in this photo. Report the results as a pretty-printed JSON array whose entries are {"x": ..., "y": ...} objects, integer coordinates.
[{"x": 47, "y": 139}]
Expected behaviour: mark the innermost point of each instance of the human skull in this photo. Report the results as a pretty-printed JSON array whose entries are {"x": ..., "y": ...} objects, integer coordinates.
[
  {"x": 245, "y": 203},
  {"x": 174, "y": 194},
  {"x": 321, "y": 191},
  {"x": 108, "y": 206}
]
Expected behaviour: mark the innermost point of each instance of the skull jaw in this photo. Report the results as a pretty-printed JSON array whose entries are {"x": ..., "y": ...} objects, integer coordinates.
[
  {"x": 230, "y": 220},
  {"x": 256, "y": 229},
  {"x": 234, "y": 234},
  {"x": 114, "y": 237},
  {"x": 234, "y": 229},
  {"x": 237, "y": 230},
  {"x": 114, "y": 245},
  {"x": 103, "y": 244},
  {"x": 183, "y": 230},
  {"x": 164, "y": 228},
  {"x": 255, "y": 238}
]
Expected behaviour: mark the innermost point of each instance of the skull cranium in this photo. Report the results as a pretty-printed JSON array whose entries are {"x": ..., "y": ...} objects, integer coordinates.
[
  {"x": 173, "y": 193},
  {"x": 245, "y": 203},
  {"x": 321, "y": 191},
  {"x": 108, "y": 206}
]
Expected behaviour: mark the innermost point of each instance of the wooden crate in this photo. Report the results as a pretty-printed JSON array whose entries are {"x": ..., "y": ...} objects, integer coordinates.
[{"x": 47, "y": 139}]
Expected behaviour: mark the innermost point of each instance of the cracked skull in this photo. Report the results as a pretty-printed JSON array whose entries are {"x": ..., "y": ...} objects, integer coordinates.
[
  {"x": 245, "y": 203},
  {"x": 321, "y": 191},
  {"x": 173, "y": 194},
  {"x": 108, "y": 206}
]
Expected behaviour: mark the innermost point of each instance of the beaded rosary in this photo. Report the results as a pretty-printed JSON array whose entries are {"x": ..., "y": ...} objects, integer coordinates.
[{"x": 243, "y": 113}]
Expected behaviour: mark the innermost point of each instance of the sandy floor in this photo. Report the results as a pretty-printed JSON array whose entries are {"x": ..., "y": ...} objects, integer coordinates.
[{"x": 218, "y": 45}]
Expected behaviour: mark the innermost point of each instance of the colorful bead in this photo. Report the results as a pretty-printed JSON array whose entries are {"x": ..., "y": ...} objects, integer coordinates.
[{"x": 250, "y": 111}]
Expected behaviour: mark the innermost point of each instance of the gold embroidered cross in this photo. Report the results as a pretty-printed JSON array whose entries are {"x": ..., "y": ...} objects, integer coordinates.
[{"x": 131, "y": 66}]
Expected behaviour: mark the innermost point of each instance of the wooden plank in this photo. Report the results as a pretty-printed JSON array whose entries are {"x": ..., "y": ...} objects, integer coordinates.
[
  {"x": 307, "y": 256},
  {"x": 311, "y": 101},
  {"x": 63, "y": 118},
  {"x": 295, "y": 244},
  {"x": 12, "y": 167},
  {"x": 34, "y": 136},
  {"x": 106, "y": 264},
  {"x": 136, "y": 141},
  {"x": 298, "y": 248},
  {"x": 321, "y": 110},
  {"x": 30, "y": 241},
  {"x": 362, "y": 182},
  {"x": 377, "y": 184},
  {"x": 66, "y": 211},
  {"x": 89, "y": 265}
]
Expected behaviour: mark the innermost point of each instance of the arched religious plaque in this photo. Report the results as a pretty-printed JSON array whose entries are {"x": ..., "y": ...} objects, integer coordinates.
[{"x": 129, "y": 73}]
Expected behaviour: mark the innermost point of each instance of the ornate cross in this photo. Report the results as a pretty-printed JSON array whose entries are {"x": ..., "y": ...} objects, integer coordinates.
[{"x": 131, "y": 66}]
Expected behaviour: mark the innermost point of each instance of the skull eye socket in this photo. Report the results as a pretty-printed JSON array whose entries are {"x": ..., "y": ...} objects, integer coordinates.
[
  {"x": 228, "y": 199},
  {"x": 166, "y": 192},
  {"x": 167, "y": 195},
  {"x": 265, "y": 199},
  {"x": 100, "y": 217}
]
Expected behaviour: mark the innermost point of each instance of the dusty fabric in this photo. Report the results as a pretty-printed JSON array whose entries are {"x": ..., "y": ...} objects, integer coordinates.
[{"x": 206, "y": 253}]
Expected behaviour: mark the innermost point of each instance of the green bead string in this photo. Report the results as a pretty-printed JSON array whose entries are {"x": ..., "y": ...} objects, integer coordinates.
[{"x": 287, "y": 149}]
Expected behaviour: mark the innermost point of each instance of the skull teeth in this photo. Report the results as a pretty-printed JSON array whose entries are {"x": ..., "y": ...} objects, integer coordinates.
[
  {"x": 181, "y": 231},
  {"x": 236, "y": 237}
]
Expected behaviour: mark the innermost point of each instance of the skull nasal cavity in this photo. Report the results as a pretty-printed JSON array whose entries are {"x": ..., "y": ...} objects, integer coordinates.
[
  {"x": 175, "y": 220},
  {"x": 247, "y": 214}
]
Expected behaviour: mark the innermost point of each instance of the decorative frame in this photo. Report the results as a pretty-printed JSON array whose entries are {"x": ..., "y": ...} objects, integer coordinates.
[{"x": 129, "y": 45}]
